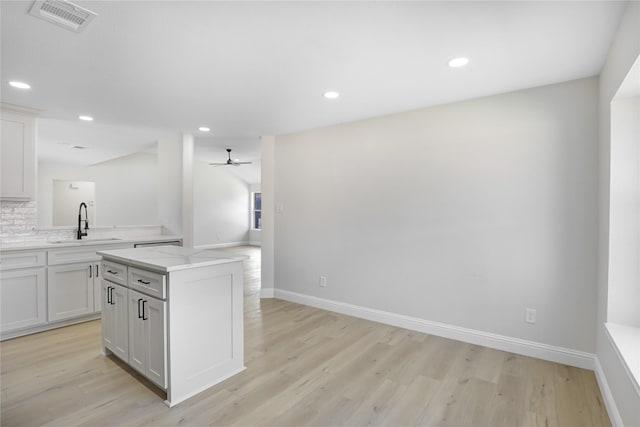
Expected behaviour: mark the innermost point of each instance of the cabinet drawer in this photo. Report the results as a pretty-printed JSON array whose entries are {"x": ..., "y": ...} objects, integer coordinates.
[
  {"x": 148, "y": 282},
  {"x": 81, "y": 253},
  {"x": 26, "y": 259},
  {"x": 68, "y": 256},
  {"x": 114, "y": 272}
]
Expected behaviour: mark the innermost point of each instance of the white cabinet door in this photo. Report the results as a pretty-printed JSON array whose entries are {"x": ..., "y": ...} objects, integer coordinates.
[
  {"x": 108, "y": 318},
  {"x": 137, "y": 333},
  {"x": 23, "y": 300},
  {"x": 97, "y": 285},
  {"x": 147, "y": 337},
  {"x": 70, "y": 291},
  {"x": 115, "y": 322},
  {"x": 18, "y": 160},
  {"x": 156, "y": 341}
]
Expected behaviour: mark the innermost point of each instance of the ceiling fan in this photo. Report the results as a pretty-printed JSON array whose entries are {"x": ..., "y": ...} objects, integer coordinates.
[{"x": 230, "y": 162}]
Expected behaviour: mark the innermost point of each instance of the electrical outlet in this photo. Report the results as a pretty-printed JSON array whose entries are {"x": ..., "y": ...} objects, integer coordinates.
[
  {"x": 323, "y": 281},
  {"x": 530, "y": 315}
]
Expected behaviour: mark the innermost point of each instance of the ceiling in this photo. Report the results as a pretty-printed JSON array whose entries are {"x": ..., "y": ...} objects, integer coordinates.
[{"x": 245, "y": 69}]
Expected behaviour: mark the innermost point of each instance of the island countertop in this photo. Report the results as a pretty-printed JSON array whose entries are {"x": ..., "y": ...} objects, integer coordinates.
[{"x": 170, "y": 258}]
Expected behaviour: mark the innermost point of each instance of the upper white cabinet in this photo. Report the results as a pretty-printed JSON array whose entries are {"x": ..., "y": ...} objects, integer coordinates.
[{"x": 17, "y": 153}]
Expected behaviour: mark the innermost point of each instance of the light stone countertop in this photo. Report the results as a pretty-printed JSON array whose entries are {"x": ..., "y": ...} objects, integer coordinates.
[
  {"x": 32, "y": 245},
  {"x": 170, "y": 258}
]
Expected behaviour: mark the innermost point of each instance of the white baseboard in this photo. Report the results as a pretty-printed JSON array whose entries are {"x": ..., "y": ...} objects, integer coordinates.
[
  {"x": 267, "y": 293},
  {"x": 222, "y": 245},
  {"x": 562, "y": 355},
  {"x": 609, "y": 402},
  {"x": 53, "y": 325}
]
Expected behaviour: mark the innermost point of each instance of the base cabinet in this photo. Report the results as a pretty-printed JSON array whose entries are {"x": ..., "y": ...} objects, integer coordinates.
[
  {"x": 115, "y": 322},
  {"x": 147, "y": 337},
  {"x": 185, "y": 321},
  {"x": 23, "y": 300},
  {"x": 71, "y": 290},
  {"x": 47, "y": 286},
  {"x": 134, "y": 324}
]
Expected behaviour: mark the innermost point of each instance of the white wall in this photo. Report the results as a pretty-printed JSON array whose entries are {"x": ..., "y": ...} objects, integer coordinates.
[
  {"x": 68, "y": 195},
  {"x": 169, "y": 183},
  {"x": 622, "y": 54},
  {"x": 221, "y": 207},
  {"x": 463, "y": 214},
  {"x": 624, "y": 228},
  {"x": 267, "y": 183},
  {"x": 125, "y": 189}
]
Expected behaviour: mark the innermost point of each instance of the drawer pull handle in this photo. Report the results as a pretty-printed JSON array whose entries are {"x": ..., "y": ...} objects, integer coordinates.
[
  {"x": 143, "y": 282},
  {"x": 112, "y": 272},
  {"x": 143, "y": 303},
  {"x": 140, "y": 316}
]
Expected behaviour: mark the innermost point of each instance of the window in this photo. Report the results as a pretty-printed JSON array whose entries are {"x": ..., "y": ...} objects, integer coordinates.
[
  {"x": 623, "y": 302},
  {"x": 257, "y": 211}
]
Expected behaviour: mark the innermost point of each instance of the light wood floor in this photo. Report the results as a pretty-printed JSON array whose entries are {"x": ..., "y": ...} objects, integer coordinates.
[{"x": 304, "y": 367}]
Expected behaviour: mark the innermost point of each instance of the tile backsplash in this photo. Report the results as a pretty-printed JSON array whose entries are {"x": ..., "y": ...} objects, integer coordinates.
[
  {"x": 19, "y": 219},
  {"x": 19, "y": 224}
]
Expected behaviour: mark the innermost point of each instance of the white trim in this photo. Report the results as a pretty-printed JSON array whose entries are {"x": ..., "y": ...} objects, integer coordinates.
[
  {"x": 48, "y": 326},
  {"x": 255, "y": 243},
  {"x": 267, "y": 293},
  {"x": 552, "y": 353},
  {"x": 222, "y": 245},
  {"x": 607, "y": 396},
  {"x": 621, "y": 357},
  {"x": 15, "y": 108}
]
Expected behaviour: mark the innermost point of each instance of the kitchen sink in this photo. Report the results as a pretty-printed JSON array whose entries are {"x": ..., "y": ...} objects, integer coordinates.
[{"x": 107, "y": 239}]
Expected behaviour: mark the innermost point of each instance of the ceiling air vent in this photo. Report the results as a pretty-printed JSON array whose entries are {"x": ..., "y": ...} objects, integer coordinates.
[{"x": 62, "y": 13}]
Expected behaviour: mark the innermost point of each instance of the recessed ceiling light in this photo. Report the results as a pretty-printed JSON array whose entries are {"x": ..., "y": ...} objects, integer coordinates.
[
  {"x": 86, "y": 118},
  {"x": 458, "y": 62},
  {"x": 331, "y": 95},
  {"x": 204, "y": 129},
  {"x": 20, "y": 85}
]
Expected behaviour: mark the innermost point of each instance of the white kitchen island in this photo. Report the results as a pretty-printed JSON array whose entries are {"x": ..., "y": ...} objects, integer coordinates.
[{"x": 175, "y": 315}]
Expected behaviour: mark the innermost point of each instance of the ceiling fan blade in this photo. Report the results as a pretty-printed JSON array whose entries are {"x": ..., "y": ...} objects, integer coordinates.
[{"x": 229, "y": 161}]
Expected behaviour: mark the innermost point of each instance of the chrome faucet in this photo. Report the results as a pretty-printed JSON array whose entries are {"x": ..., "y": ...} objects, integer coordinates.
[{"x": 86, "y": 221}]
